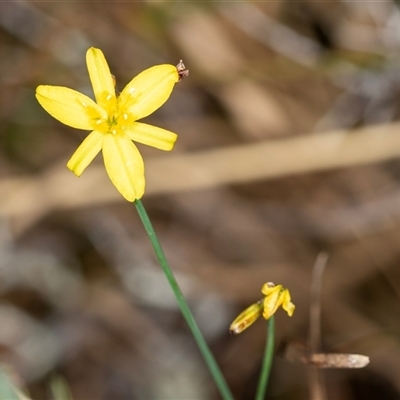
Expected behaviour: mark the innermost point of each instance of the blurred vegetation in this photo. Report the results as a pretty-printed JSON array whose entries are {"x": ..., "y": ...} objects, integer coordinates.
[{"x": 287, "y": 146}]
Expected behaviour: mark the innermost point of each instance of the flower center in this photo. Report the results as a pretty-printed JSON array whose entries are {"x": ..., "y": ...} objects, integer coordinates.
[{"x": 116, "y": 120}]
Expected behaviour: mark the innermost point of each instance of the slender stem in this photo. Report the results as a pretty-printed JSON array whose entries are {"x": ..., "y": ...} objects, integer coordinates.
[
  {"x": 267, "y": 361},
  {"x": 187, "y": 314}
]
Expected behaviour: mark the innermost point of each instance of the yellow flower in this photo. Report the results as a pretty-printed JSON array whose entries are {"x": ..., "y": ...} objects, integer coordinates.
[
  {"x": 113, "y": 119},
  {"x": 275, "y": 296}
]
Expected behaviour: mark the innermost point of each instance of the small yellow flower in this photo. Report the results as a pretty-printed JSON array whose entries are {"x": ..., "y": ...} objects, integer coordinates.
[
  {"x": 275, "y": 296},
  {"x": 113, "y": 120}
]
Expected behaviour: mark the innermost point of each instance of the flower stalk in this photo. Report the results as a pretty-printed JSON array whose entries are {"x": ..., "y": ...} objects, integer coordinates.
[
  {"x": 267, "y": 360},
  {"x": 183, "y": 306}
]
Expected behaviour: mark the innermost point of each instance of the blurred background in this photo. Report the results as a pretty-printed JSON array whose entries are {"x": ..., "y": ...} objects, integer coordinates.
[{"x": 289, "y": 145}]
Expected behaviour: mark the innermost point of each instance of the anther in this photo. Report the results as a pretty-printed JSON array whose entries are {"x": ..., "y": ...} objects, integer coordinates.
[{"x": 182, "y": 71}]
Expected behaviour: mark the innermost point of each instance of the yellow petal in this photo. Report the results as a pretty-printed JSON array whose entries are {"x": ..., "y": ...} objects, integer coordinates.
[
  {"x": 270, "y": 287},
  {"x": 69, "y": 106},
  {"x": 151, "y": 136},
  {"x": 287, "y": 305},
  {"x": 148, "y": 91},
  {"x": 86, "y": 152},
  {"x": 124, "y": 166},
  {"x": 246, "y": 318},
  {"x": 271, "y": 303},
  {"x": 100, "y": 76}
]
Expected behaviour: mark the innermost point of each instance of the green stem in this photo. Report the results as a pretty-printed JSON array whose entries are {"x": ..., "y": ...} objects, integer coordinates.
[
  {"x": 267, "y": 361},
  {"x": 187, "y": 314}
]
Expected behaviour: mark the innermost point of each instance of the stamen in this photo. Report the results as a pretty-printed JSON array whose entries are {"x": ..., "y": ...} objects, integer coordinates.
[
  {"x": 182, "y": 71},
  {"x": 131, "y": 90},
  {"x": 125, "y": 116}
]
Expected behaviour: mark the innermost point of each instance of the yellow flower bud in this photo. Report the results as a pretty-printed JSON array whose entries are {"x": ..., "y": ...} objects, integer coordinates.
[{"x": 247, "y": 318}]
